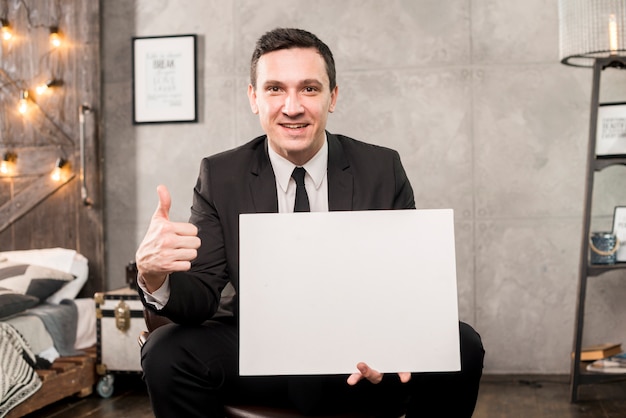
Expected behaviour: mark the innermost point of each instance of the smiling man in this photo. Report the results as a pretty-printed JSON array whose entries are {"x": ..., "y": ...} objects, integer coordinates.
[{"x": 191, "y": 365}]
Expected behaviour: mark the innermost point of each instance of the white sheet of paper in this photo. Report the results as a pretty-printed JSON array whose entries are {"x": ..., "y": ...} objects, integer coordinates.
[{"x": 321, "y": 291}]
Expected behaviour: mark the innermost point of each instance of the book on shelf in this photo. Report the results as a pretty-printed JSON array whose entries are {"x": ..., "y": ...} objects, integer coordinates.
[
  {"x": 600, "y": 351},
  {"x": 611, "y": 365}
]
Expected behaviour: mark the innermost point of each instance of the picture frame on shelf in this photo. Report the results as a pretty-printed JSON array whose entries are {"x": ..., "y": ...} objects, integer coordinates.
[
  {"x": 164, "y": 79},
  {"x": 619, "y": 230},
  {"x": 611, "y": 129}
]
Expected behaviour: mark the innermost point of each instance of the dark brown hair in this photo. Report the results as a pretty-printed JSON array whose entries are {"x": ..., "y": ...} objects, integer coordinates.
[{"x": 286, "y": 38}]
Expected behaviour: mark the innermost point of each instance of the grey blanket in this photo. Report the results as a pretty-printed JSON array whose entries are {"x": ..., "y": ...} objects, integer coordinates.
[{"x": 61, "y": 322}]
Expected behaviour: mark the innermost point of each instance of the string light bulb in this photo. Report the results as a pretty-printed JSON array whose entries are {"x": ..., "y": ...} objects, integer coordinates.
[
  {"x": 55, "y": 37},
  {"x": 43, "y": 87},
  {"x": 22, "y": 105},
  {"x": 7, "y": 165},
  {"x": 60, "y": 166},
  {"x": 5, "y": 31}
]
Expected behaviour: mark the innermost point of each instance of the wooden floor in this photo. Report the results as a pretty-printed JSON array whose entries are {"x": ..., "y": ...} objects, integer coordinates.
[{"x": 500, "y": 396}]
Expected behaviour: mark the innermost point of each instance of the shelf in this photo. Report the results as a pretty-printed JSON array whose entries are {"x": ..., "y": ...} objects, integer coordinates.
[
  {"x": 579, "y": 373},
  {"x": 598, "y": 269},
  {"x": 587, "y": 377},
  {"x": 600, "y": 163}
]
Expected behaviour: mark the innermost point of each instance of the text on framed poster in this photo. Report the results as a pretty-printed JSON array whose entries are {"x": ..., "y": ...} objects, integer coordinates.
[{"x": 164, "y": 79}]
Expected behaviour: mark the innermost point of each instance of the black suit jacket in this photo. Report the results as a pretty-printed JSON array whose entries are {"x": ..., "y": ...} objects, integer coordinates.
[{"x": 360, "y": 177}]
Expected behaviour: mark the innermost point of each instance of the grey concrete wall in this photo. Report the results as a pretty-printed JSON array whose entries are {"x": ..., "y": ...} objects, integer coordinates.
[{"x": 472, "y": 95}]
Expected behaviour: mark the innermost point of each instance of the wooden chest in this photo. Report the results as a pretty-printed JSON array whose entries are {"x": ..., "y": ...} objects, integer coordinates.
[{"x": 120, "y": 320}]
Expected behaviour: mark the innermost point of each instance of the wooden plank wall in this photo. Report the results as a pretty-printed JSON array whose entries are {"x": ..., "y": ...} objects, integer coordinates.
[{"x": 35, "y": 211}]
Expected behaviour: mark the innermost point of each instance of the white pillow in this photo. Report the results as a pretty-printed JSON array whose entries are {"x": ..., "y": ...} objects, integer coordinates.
[
  {"x": 54, "y": 258},
  {"x": 32, "y": 279},
  {"x": 62, "y": 259},
  {"x": 80, "y": 269}
]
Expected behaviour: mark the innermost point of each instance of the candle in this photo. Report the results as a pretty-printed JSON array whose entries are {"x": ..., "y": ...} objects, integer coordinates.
[{"x": 612, "y": 35}]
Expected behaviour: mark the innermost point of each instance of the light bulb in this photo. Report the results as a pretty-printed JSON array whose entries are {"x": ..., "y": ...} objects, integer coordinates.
[
  {"x": 6, "y": 31},
  {"x": 55, "y": 37},
  {"x": 60, "y": 166},
  {"x": 7, "y": 165},
  {"x": 22, "y": 105},
  {"x": 56, "y": 174},
  {"x": 41, "y": 89}
]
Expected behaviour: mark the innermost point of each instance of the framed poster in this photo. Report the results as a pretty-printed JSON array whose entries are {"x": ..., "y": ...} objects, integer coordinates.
[
  {"x": 164, "y": 79},
  {"x": 611, "y": 129},
  {"x": 619, "y": 230}
]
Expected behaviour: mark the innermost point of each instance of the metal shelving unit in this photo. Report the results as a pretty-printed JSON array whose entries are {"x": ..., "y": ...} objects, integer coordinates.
[{"x": 579, "y": 375}]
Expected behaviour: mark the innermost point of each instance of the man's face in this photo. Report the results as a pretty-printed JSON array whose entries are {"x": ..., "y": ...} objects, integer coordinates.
[{"x": 293, "y": 99}]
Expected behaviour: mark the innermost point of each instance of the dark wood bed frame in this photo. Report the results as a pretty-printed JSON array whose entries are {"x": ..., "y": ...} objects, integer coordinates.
[{"x": 69, "y": 376}]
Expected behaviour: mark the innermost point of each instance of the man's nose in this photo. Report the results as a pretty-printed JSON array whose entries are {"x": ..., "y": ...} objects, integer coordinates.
[{"x": 292, "y": 105}]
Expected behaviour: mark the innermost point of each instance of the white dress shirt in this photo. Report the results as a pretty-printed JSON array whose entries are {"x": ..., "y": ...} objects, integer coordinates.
[{"x": 315, "y": 181}]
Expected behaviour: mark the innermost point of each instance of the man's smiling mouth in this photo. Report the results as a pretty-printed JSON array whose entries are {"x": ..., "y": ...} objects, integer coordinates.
[{"x": 294, "y": 125}]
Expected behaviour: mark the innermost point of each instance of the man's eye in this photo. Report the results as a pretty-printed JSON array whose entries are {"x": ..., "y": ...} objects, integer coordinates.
[
  {"x": 273, "y": 89},
  {"x": 310, "y": 89}
]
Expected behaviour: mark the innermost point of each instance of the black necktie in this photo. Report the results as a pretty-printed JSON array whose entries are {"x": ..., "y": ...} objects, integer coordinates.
[{"x": 302, "y": 199}]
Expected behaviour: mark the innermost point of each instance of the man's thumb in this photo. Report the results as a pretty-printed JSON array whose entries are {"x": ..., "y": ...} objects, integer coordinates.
[{"x": 165, "y": 202}]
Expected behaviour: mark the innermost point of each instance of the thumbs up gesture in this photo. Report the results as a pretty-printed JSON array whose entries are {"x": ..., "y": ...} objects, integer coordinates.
[{"x": 167, "y": 246}]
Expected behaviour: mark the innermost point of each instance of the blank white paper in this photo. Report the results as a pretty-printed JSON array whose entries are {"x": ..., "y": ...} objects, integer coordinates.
[{"x": 321, "y": 291}]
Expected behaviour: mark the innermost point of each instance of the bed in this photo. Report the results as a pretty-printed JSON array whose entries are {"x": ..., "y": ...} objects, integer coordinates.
[{"x": 47, "y": 334}]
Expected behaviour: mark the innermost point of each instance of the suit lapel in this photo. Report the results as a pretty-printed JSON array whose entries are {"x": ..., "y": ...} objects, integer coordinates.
[
  {"x": 340, "y": 181},
  {"x": 263, "y": 183}
]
